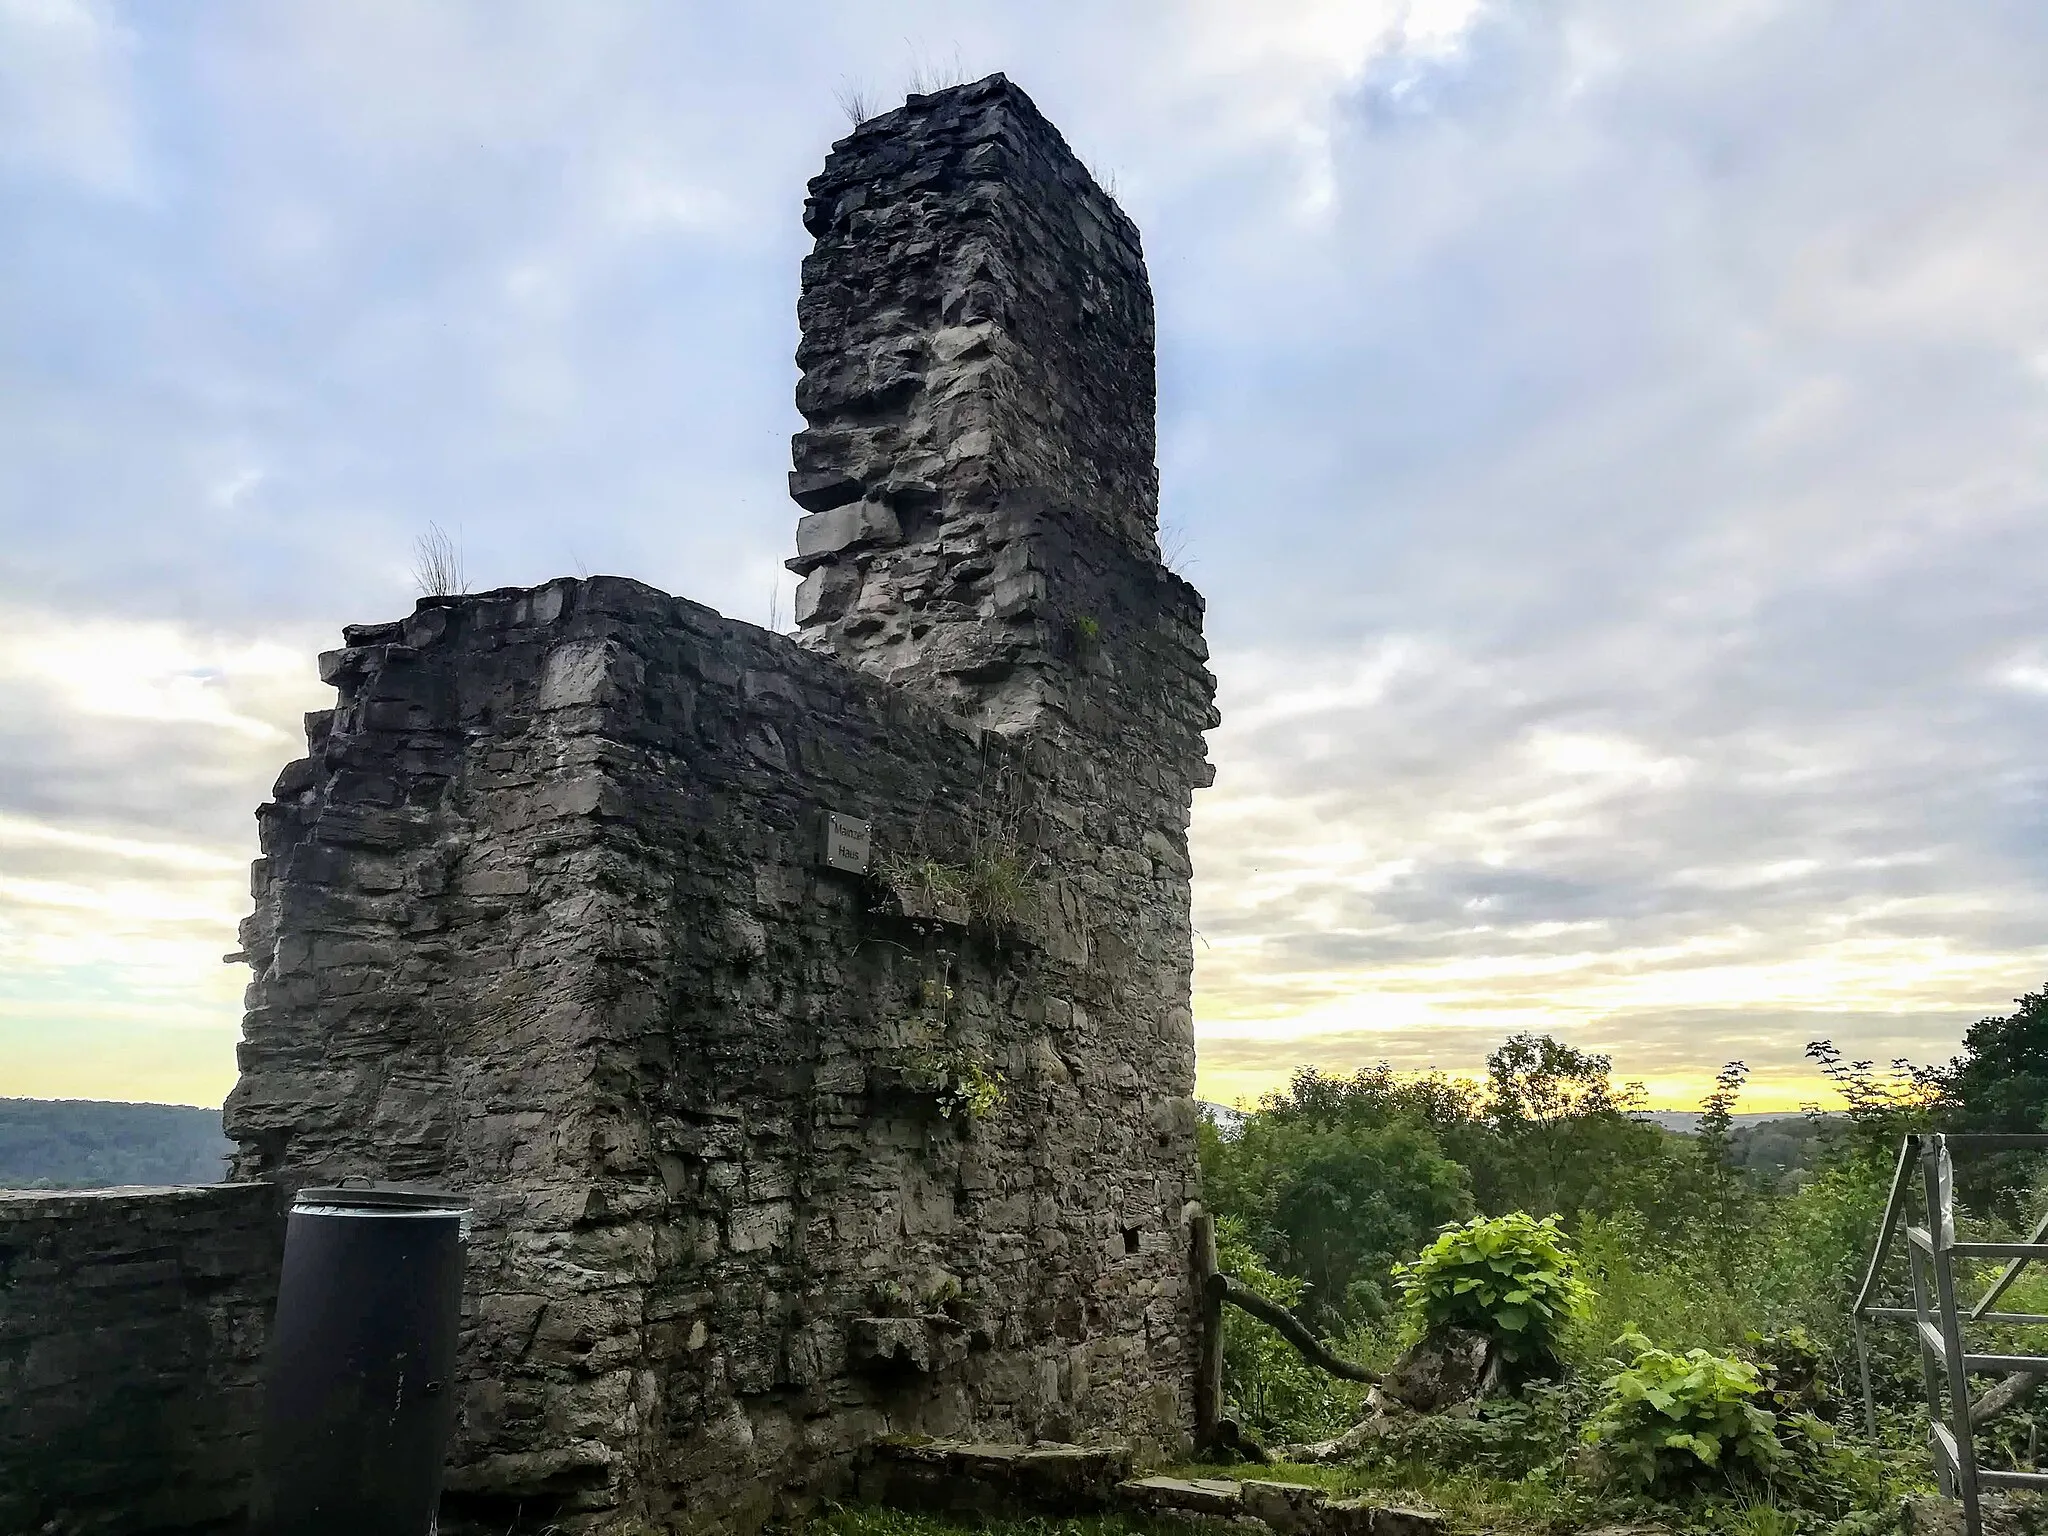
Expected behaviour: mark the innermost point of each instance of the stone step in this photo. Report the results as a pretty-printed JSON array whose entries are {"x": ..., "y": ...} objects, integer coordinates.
[
  {"x": 1287, "y": 1509},
  {"x": 992, "y": 1478},
  {"x": 977, "y": 1477},
  {"x": 1182, "y": 1495}
]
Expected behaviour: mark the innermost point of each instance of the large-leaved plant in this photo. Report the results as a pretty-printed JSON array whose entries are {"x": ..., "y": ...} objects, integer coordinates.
[
  {"x": 1510, "y": 1277},
  {"x": 1668, "y": 1418}
]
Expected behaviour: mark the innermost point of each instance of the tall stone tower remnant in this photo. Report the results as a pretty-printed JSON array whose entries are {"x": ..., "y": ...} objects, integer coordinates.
[
  {"x": 979, "y": 467},
  {"x": 807, "y": 1019}
]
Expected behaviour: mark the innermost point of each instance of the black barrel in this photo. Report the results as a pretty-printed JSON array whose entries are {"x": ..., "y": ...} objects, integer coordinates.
[{"x": 361, "y": 1391}]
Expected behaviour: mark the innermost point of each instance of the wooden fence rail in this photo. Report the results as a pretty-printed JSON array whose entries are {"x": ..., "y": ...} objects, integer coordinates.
[{"x": 1212, "y": 1289}]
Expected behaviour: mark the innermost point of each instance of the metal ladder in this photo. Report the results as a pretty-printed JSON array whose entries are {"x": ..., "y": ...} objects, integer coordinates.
[{"x": 1946, "y": 1364}]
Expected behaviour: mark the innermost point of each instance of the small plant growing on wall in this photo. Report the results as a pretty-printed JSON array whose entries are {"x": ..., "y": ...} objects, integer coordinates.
[
  {"x": 970, "y": 871},
  {"x": 982, "y": 876},
  {"x": 964, "y": 1087},
  {"x": 992, "y": 888},
  {"x": 959, "y": 1081},
  {"x": 888, "y": 1298},
  {"x": 926, "y": 888},
  {"x": 931, "y": 1014},
  {"x": 1085, "y": 641}
]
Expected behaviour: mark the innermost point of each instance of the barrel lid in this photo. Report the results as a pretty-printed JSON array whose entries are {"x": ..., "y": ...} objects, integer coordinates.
[{"x": 370, "y": 1200}]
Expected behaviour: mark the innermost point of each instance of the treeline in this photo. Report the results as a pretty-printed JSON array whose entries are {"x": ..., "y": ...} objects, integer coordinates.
[
  {"x": 87, "y": 1144},
  {"x": 1337, "y": 1178},
  {"x": 1700, "y": 1240},
  {"x": 1785, "y": 1149}
]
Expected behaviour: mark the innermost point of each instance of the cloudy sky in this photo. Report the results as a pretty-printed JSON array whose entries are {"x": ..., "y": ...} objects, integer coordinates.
[{"x": 1613, "y": 440}]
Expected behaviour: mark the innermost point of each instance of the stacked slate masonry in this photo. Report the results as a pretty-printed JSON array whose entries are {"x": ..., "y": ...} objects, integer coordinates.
[
  {"x": 770, "y": 1158},
  {"x": 132, "y": 1324}
]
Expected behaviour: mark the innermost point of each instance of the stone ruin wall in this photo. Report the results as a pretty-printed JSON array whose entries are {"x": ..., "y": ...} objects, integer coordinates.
[
  {"x": 541, "y": 916},
  {"x": 132, "y": 1324},
  {"x": 979, "y": 460}
]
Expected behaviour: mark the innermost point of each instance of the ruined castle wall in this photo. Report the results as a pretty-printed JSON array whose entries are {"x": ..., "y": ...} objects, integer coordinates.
[
  {"x": 699, "y": 1085},
  {"x": 132, "y": 1324},
  {"x": 978, "y": 464},
  {"x": 430, "y": 949},
  {"x": 976, "y": 320},
  {"x": 860, "y": 1260},
  {"x": 769, "y": 1157}
]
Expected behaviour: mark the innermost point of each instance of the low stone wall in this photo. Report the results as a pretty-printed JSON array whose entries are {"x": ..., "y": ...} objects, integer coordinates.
[{"x": 132, "y": 1324}]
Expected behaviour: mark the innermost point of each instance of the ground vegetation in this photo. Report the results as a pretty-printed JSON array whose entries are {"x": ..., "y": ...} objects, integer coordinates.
[{"x": 1698, "y": 1364}]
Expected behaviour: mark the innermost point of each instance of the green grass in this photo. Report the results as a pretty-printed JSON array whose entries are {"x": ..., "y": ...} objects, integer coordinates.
[
  {"x": 1472, "y": 1502},
  {"x": 1547, "y": 1501},
  {"x": 866, "y": 1520}
]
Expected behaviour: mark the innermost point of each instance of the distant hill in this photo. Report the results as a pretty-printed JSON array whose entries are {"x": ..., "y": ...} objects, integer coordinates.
[
  {"x": 85, "y": 1144},
  {"x": 1222, "y": 1116},
  {"x": 1778, "y": 1146},
  {"x": 1687, "y": 1121},
  {"x": 1785, "y": 1146}
]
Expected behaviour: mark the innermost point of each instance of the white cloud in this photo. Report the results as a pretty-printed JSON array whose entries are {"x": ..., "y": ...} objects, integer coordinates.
[
  {"x": 2025, "y": 673},
  {"x": 131, "y": 754},
  {"x": 1585, "y": 754},
  {"x": 66, "y": 104},
  {"x": 642, "y": 195},
  {"x": 152, "y": 671},
  {"x": 123, "y": 902},
  {"x": 21, "y": 833}
]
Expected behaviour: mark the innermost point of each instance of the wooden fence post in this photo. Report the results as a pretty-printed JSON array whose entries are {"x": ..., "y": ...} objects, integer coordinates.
[{"x": 1208, "y": 1298}]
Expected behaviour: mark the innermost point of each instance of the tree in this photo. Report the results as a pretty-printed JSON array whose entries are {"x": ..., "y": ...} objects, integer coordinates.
[
  {"x": 1337, "y": 1178},
  {"x": 1717, "y": 1114},
  {"x": 1534, "y": 1079},
  {"x": 1998, "y": 1083},
  {"x": 1571, "y": 1138},
  {"x": 1450, "y": 1108},
  {"x": 1351, "y": 1203},
  {"x": 1879, "y": 1106}
]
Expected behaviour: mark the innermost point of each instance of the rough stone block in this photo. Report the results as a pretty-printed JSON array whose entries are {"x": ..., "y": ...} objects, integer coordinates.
[
  {"x": 1400, "y": 1519},
  {"x": 826, "y": 593},
  {"x": 821, "y": 490},
  {"x": 843, "y": 527},
  {"x": 980, "y": 1477},
  {"x": 1187, "y": 1495},
  {"x": 1290, "y": 1509}
]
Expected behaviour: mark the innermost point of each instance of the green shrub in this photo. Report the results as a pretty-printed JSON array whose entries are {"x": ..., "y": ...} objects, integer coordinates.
[
  {"x": 1334, "y": 1204},
  {"x": 1668, "y": 1418},
  {"x": 1510, "y": 1277},
  {"x": 1682, "y": 1293}
]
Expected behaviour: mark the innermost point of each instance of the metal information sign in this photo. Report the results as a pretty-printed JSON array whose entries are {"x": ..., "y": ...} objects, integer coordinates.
[{"x": 846, "y": 843}]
